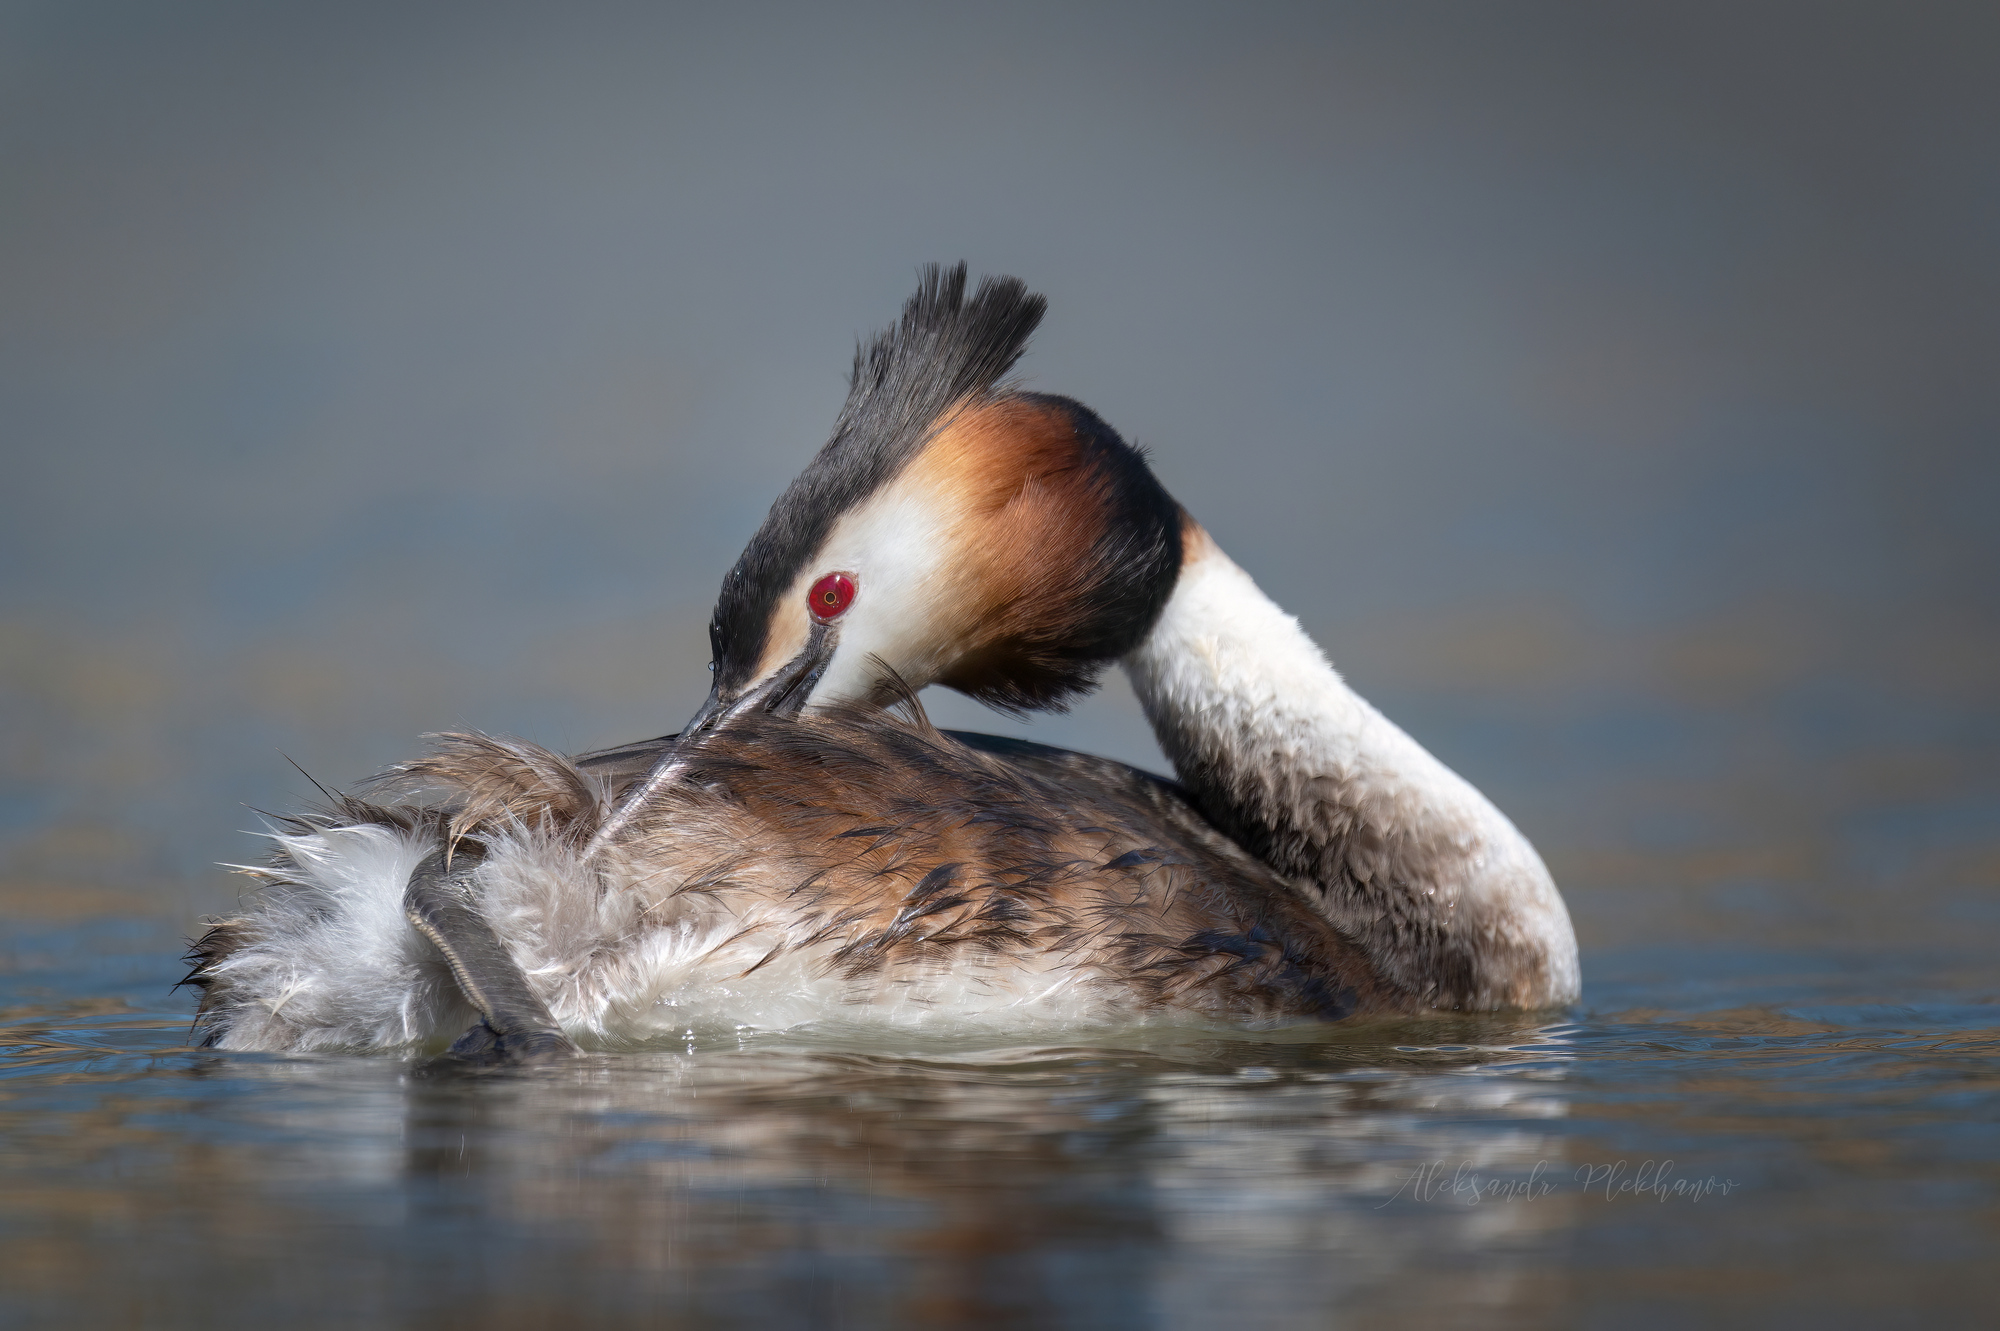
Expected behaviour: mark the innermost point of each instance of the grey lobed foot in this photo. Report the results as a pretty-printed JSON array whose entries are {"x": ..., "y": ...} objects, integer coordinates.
[{"x": 515, "y": 1025}]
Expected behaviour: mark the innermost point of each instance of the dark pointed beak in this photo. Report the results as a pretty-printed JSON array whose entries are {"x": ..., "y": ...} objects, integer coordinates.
[
  {"x": 705, "y": 716},
  {"x": 783, "y": 694}
]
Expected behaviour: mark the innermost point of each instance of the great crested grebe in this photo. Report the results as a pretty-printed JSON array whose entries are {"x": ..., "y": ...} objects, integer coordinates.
[{"x": 799, "y": 853}]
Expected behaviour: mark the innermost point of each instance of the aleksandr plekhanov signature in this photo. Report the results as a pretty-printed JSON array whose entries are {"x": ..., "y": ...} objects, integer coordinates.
[{"x": 1432, "y": 1181}]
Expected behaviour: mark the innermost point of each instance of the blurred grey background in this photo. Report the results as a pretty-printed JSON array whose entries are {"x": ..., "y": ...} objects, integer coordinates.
[{"x": 1609, "y": 388}]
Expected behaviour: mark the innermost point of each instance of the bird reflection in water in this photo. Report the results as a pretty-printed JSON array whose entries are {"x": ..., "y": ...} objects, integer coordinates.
[{"x": 1156, "y": 1177}]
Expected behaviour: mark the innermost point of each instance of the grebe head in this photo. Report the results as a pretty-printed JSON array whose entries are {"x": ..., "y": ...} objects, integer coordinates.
[{"x": 954, "y": 530}]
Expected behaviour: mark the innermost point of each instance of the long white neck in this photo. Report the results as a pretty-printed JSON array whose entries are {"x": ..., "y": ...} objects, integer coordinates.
[{"x": 1405, "y": 855}]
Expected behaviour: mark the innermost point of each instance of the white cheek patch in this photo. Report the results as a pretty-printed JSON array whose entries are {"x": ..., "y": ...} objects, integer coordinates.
[{"x": 897, "y": 546}]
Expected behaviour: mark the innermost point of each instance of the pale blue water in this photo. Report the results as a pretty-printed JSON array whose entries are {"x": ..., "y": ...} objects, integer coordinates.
[{"x": 1716, "y": 1136}]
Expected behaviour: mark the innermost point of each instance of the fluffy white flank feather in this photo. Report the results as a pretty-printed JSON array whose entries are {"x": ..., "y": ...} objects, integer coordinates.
[
  {"x": 328, "y": 960},
  {"x": 622, "y": 954}
]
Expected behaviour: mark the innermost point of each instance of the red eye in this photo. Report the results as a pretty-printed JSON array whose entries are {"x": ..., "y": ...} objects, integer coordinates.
[{"x": 830, "y": 595}]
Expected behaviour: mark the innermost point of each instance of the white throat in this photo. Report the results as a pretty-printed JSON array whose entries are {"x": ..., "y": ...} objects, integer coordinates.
[{"x": 1402, "y": 853}]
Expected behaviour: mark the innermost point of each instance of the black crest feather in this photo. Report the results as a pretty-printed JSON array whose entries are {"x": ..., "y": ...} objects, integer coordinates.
[{"x": 944, "y": 349}]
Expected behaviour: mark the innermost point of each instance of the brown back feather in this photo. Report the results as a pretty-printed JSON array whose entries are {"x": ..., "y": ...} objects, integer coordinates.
[
  {"x": 891, "y": 848},
  {"x": 491, "y": 778},
  {"x": 902, "y": 847}
]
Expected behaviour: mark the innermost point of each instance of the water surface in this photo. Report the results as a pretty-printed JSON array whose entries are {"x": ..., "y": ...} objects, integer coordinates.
[{"x": 1724, "y": 1136}]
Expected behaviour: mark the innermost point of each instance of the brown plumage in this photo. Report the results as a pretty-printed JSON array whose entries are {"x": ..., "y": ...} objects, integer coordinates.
[
  {"x": 871, "y": 858},
  {"x": 907, "y": 846}
]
